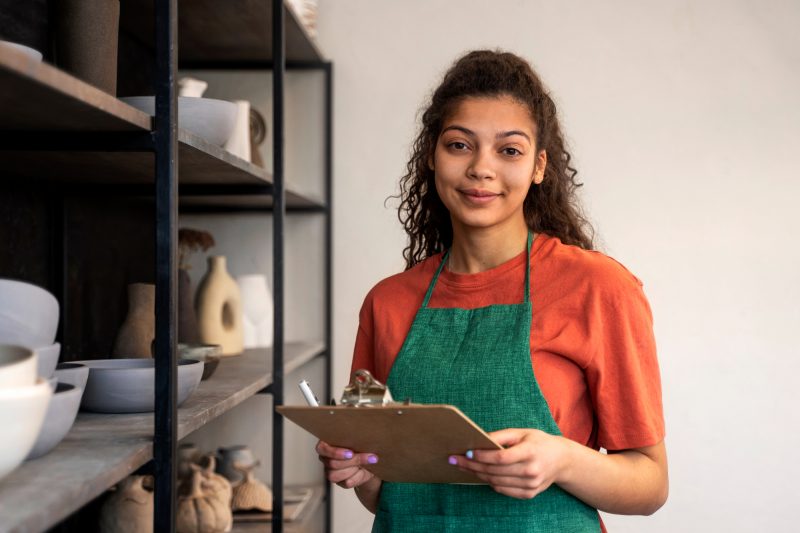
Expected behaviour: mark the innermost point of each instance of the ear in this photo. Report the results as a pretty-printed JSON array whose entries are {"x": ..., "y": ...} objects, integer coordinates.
[{"x": 539, "y": 167}]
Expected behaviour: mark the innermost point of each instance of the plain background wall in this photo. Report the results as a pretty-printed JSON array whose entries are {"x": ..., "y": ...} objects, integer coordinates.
[{"x": 684, "y": 120}]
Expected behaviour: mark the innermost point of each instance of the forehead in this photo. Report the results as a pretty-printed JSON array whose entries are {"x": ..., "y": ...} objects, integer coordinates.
[{"x": 500, "y": 113}]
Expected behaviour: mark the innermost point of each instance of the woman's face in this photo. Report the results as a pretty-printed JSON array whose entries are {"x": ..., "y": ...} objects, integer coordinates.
[{"x": 485, "y": 161}]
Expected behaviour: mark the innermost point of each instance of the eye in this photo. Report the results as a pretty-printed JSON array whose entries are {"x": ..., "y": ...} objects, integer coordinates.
[
  {"x": 458, "y": 146},
  {"x": 511, "y": 151}
]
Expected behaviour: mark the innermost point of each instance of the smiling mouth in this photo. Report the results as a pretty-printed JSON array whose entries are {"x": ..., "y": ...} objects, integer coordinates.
[{"x": 477, "y": 196}]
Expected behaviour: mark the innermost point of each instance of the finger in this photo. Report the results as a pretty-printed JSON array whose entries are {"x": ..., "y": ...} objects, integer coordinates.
[
  {"x": 508, "y": 437},
  {"x": 514, "y": 482},
  {"x": 337, "y": 476},
  {"x": 520, "y": 494},
  {"x": 326, "y": 450},
  {"x": 515, "y": 469},
  {"x": 360, "y": 459},
  {"x": 514, "y": 454},
  {"x": 359, "y": 478}
]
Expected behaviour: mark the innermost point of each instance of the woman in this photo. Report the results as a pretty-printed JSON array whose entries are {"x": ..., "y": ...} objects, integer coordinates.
[{"x": 506, "y": 312}]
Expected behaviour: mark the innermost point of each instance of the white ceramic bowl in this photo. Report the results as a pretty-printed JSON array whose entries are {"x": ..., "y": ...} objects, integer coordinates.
[
  {"x": 32, "y": 53},
  {"x": 47, "y": 359},
  {"x": 128, "y": 385},
  {"x": 58, "y": 420},
  {"x": 22, "y": 412},
  {"x": 28, "y": 314},
  {"x": 72, "y": 373},
  {"x": 211, "y": 119},
  {"x": 17, "y": 366}
]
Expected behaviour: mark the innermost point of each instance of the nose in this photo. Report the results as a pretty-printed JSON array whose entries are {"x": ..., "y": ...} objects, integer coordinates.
[{"x": 481, "y": 167}]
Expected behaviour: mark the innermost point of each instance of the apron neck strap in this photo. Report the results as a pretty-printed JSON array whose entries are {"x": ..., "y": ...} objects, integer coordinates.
[{"x": 527, "y": 273}]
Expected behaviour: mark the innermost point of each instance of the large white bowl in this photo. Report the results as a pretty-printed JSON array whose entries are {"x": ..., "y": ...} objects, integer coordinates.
[
  {"x": 22, "y": 412},
  {"x": 28, "y": 314},
  {"x": 72, "y": 373},
  {"x": 32, "y": 53},
  {"x": 47, "y": 359},
  {"x": 128, "y": 385},
  {"x": 17, "y": 366},
  {"x": 58, "y": 420},
  {"x": 211, "y": 119}
]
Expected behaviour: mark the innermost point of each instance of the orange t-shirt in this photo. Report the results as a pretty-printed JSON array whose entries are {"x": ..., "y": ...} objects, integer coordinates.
[{"x": 592, "y": 345}]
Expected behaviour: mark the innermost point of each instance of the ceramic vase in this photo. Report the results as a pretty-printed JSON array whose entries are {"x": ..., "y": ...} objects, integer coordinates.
[
  {"x": 239, "y": 142},
  {"x": 129, "y": 509},
  {"x": 219, "y": 309},
  {"x": 135, "y": 336},
  {"x": 226, "y": 458},
  {"x": 257, "y": 311},
  {"x": 187, "y": 319},
  {"x": 86, "y": 39}
]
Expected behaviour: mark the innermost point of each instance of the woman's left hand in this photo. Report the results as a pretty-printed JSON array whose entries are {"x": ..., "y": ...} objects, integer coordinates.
[{"x": 531, "y": 461}]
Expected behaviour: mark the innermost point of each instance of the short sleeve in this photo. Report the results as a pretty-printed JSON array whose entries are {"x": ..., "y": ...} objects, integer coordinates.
[
  {"x": 623, "y": 375},
  {"x": 364, "y": 351}
]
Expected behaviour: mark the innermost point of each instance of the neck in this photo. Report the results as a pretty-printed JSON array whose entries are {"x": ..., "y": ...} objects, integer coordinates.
[{"x": 479, "y": 249}]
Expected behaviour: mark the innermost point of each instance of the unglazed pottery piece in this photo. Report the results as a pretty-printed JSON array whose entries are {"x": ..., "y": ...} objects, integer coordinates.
[
  {"x": 211, "y": 119},
  {"x": 129, "y": 508},
  {"x": 47, "y": 359},
  {"x": 208, "y": 353},
  {"x": 250, "y": 494},
  {"x": 86, "y": 39},
  {"x": 28, "y": 314},
  {"x": 127, "y": 385},
  {"x": 239, "y": 142},
  {"x": 60, "y": 416},
  {"x": 18, "y": 366},
  {"x": 204, "y": 502},
  {"x": 135, "y": 336},
  {"x": 188, "y": 454},
  {"x": 22, "y": 412},
  {"x": 72, "y": 373},
  {"x": 219, "y": 308},
  {"x": 187, "y": 319},
  {"x": 257, "y": 311}
]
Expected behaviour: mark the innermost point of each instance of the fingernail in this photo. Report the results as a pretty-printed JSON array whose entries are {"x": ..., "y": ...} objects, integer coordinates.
[
  {"x": 452, "y": 460},
  {"x": 469, "y": 454},
  {"x": 372, "y": 459},
  {"x": 348, "y": 454}
]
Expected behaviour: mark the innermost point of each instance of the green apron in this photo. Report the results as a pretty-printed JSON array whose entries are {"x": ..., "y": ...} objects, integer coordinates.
[{"x": 480, "y": 361}]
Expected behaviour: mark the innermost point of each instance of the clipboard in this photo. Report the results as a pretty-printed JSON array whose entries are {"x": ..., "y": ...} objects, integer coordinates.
[{"x": 412, "y": 441}]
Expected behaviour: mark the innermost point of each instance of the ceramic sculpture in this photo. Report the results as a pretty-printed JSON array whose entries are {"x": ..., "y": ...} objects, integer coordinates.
[
  {"x": 86, "y": 38},
  {"x": 189, "y": 241},
  {"x": 137, "y": 332},
  {"x": 219, "y": 309},
  {"x": 204, "y": 502},
  {"x": 188, "y": 454},
  {"x": 257, "y": 311},
  {"x": 227, "y": 457},
  {"x": 129, "y": 509},
  {"x": 251, "y": 494},
  {"x": 239, "y": 142}
]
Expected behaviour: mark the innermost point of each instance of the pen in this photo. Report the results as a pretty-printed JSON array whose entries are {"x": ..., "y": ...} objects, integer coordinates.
[{"x": 309, "y": 394}]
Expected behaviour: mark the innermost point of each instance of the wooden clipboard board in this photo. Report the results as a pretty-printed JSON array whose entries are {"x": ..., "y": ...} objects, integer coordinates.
[{"x": 412, "y": 442}]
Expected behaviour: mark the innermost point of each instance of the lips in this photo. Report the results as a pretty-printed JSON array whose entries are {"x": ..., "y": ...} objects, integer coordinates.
[{"x": 478, "y": 193}]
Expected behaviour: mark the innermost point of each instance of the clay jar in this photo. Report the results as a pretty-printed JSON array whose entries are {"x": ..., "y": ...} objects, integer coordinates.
[
  {"x": 219, "y": 308},
  {"x": 87, "y": 33},
  {"x": 137, "y": 332},
  {"x": 129, "y": 509}
]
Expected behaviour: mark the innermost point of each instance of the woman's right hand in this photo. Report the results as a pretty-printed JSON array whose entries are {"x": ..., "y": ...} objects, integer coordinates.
[{"x": 344, "y": 467}]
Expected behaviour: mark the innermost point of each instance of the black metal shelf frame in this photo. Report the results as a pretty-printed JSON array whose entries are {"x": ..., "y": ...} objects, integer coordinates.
[{"x": 165, "y": 142}]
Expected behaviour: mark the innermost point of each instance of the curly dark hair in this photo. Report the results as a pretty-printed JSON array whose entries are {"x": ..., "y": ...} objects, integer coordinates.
[{"x": 551, "y": 207}]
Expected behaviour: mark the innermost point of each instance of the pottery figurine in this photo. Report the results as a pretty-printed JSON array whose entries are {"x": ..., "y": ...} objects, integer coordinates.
[
  {"x": 135, "y": 336},
  {"x": 227, "y": 457},
  {"x": 219, "y": 308},
  {"x": 250, "y": 494},
  {"x": 257, "y": 311},
  {"x": 129, "y": 509}
]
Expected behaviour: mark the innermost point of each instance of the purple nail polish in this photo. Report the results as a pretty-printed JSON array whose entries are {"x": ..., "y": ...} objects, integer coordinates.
[
  {"x": 452, "y": 460},
  {"x": 372, "y": 459},
  {"x": 348, "y": 454},
  {"x": 469, "y": 454}
]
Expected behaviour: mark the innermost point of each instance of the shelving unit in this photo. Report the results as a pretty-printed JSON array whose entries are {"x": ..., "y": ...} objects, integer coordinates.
[{"x": 66, "y": 137}]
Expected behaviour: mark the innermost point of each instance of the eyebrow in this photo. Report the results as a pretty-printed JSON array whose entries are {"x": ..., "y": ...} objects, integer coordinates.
[{"x": 500, "y": 135}]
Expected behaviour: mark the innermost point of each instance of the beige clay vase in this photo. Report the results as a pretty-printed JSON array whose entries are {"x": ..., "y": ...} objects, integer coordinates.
[
  {"x": 204, "y": 502},
  {"x": 135, "y": 336},
  {"x": 219, "y": 309},
  {"x": 129, "y": 509}
]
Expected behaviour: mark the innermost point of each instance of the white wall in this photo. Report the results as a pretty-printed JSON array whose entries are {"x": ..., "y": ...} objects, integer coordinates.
[{"x": 684, "y": 118}]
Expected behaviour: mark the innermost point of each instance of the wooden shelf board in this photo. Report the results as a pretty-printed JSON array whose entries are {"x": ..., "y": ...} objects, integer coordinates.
[
  {"x": 38, "y": 96},
  {"x": 100, "y": 450},
  {"x": 219, "y": 32},
  {"x": 241, "y": 202}
]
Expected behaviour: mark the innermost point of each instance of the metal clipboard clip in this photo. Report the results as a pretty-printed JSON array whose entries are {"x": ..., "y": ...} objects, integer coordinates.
[{"x": 365, "y": 390}]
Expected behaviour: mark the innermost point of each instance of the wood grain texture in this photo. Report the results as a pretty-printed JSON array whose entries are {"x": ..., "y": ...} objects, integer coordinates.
[{"x": 100, "y": 450}]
